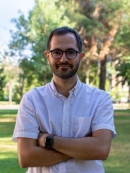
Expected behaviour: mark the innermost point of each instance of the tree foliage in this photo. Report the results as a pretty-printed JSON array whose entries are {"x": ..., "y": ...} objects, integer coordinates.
[
  {"x": 123, "y": 69},
  {"x": 103, "y": 26},
  {"x": 29, "y": 41}
]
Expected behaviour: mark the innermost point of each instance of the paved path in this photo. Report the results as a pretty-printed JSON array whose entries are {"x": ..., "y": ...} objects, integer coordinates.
[{"x": 9, "y": 107}]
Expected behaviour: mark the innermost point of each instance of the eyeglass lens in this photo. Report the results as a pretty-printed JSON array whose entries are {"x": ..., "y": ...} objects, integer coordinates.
[{"x": 71, "y": 54}]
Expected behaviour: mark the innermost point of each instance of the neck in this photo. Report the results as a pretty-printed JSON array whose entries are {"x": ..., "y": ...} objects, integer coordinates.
[{"x": 63, "y": 86}]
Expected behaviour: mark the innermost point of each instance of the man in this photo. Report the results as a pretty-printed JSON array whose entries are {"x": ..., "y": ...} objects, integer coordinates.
[{"x": 65, "y": 126}]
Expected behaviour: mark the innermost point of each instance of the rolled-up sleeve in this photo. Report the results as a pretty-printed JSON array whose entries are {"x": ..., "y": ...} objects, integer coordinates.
[
  {"x": 104, "y": 114},
  {"x": 26, "y": 121}
]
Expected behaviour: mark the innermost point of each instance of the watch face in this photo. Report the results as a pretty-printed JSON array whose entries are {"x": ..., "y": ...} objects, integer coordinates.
[{"x": 49, "y": 142}]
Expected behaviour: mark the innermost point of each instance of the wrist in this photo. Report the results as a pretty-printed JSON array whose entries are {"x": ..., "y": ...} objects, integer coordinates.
[{"x": 49, "y": 140}]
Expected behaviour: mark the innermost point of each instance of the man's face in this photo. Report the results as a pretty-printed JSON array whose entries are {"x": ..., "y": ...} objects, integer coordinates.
[{"x": 64, "y": 68}]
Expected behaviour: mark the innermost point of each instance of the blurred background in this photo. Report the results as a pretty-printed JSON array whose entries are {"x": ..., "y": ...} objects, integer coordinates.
[{"x": 104, "y": 26}]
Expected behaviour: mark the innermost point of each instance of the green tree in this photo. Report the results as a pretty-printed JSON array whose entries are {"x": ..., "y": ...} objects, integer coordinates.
[
  {"x": 29, "y": 41},
  {"x": 2, "y": 83},
  {"x": 123, "y": 69},
  {"x": 102, "y": 24},
  {"x": 10, "y": 72}
]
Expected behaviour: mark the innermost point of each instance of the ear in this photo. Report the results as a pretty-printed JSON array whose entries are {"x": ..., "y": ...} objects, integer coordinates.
[
  {"x": 46, "y": 55},
  {"x": 82, "y": 54}
]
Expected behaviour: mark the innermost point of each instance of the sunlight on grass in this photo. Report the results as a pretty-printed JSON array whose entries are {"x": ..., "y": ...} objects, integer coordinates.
[
  {"x": 7, "y": 154},
  {"x": 122, "y": 112},
  {"x": 7, "y": 120},
  {"x": 8, "y": 148},
  {"x": 117, "y": 162}
]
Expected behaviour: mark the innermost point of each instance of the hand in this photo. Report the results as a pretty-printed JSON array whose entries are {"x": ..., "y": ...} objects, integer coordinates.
[{"x": 42, "y": 139}]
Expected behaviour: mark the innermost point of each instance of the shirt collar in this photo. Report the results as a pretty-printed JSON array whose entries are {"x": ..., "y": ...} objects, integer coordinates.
[
  {"x": 74, "y": 90},
  {"x": 53, "y": 87}
]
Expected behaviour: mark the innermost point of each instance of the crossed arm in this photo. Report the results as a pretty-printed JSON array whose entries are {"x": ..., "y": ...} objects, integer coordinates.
[{"x": 31, "y": 152}]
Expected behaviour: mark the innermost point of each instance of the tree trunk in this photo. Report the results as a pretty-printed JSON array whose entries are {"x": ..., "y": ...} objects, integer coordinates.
[
  {"x": 22, "y": 85},
  {"x": 10, "y": 92},
  {"x": 87, "y": 70},
  {"x": 129, "y": 96},
  {"x": 102, "y": 74}
]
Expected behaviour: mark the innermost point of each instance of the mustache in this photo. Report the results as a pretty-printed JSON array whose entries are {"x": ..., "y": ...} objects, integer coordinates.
[{"x": 64, "y": 64}]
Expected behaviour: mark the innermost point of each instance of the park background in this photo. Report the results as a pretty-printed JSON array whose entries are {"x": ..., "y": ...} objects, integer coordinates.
[{"x": 104, "y": 27}]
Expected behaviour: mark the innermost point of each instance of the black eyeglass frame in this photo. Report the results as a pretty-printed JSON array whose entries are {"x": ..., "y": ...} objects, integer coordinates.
[{"x": 63, "y": 52}]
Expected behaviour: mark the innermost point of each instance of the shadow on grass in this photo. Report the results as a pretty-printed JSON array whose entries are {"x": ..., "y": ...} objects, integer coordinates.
[
  {"x": 117, "y": 169},
  {"x": 119, "y": 159},
  {"x": 8, "y": 112},
  {"x": 117, "y": 162},
  {"x": 7, "y": 129},
  {"x": 10, "y": 165}
]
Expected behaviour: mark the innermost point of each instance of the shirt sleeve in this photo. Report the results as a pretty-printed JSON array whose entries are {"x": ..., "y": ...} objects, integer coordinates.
[
  {"x": 104, "y": 114},
  {"x": 26, "y": 121}
]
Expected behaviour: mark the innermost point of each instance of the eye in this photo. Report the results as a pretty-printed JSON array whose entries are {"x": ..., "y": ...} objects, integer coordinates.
[
  {"x": 71, "y": 52},
  {"x": 56, "y": 52}
]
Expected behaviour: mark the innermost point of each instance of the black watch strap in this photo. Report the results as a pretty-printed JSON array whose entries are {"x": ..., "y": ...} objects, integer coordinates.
[{"x": 49, "y": 142}]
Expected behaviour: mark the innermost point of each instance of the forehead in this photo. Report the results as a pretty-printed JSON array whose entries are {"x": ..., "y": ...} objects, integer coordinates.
[{"x": 63, "y": 42}]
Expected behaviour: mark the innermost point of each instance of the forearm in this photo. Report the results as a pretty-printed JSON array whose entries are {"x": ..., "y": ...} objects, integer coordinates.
[
  {"x": 36, "y": 156},
  {"x": 87, "y": 148},
  {"x": 78, "y": 148}
]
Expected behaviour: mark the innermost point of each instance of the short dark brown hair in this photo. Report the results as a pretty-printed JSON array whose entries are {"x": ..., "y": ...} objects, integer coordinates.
[{"x": 64, "y": 30}]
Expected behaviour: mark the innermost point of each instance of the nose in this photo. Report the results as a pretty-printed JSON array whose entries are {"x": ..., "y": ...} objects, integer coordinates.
[{"x": 64, "y": 58}]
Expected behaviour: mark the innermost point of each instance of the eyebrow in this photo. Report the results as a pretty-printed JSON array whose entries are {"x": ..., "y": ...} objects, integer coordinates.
[{"x": 65, "y": 50}]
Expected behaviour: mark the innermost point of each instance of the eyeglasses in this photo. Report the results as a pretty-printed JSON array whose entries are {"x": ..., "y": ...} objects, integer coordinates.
[{"x": 70, "y": 53}]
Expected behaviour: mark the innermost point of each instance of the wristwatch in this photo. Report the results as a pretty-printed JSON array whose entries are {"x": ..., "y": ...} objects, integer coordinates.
[{"x": 49, "y": 142}]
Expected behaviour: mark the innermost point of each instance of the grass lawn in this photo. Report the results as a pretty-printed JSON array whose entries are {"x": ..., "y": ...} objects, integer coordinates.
[
  {"x": 119, "y": 157},
  {"x": 8, "y": 149},
  {"x": 117, "y": 162}
]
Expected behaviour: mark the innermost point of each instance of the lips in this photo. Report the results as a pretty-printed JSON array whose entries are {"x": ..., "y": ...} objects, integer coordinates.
[{"x": 64, "y": 65}]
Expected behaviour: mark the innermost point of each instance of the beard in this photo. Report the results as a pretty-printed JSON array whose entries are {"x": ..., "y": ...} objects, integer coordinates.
[{"x": 64, "y": 73}]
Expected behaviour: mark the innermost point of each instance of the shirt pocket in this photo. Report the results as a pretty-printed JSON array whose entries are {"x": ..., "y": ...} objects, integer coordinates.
[{"x": 82, "y": 126}]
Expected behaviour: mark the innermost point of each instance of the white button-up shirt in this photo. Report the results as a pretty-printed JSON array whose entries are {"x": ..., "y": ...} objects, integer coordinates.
[{"x": 85, "y": 110}]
